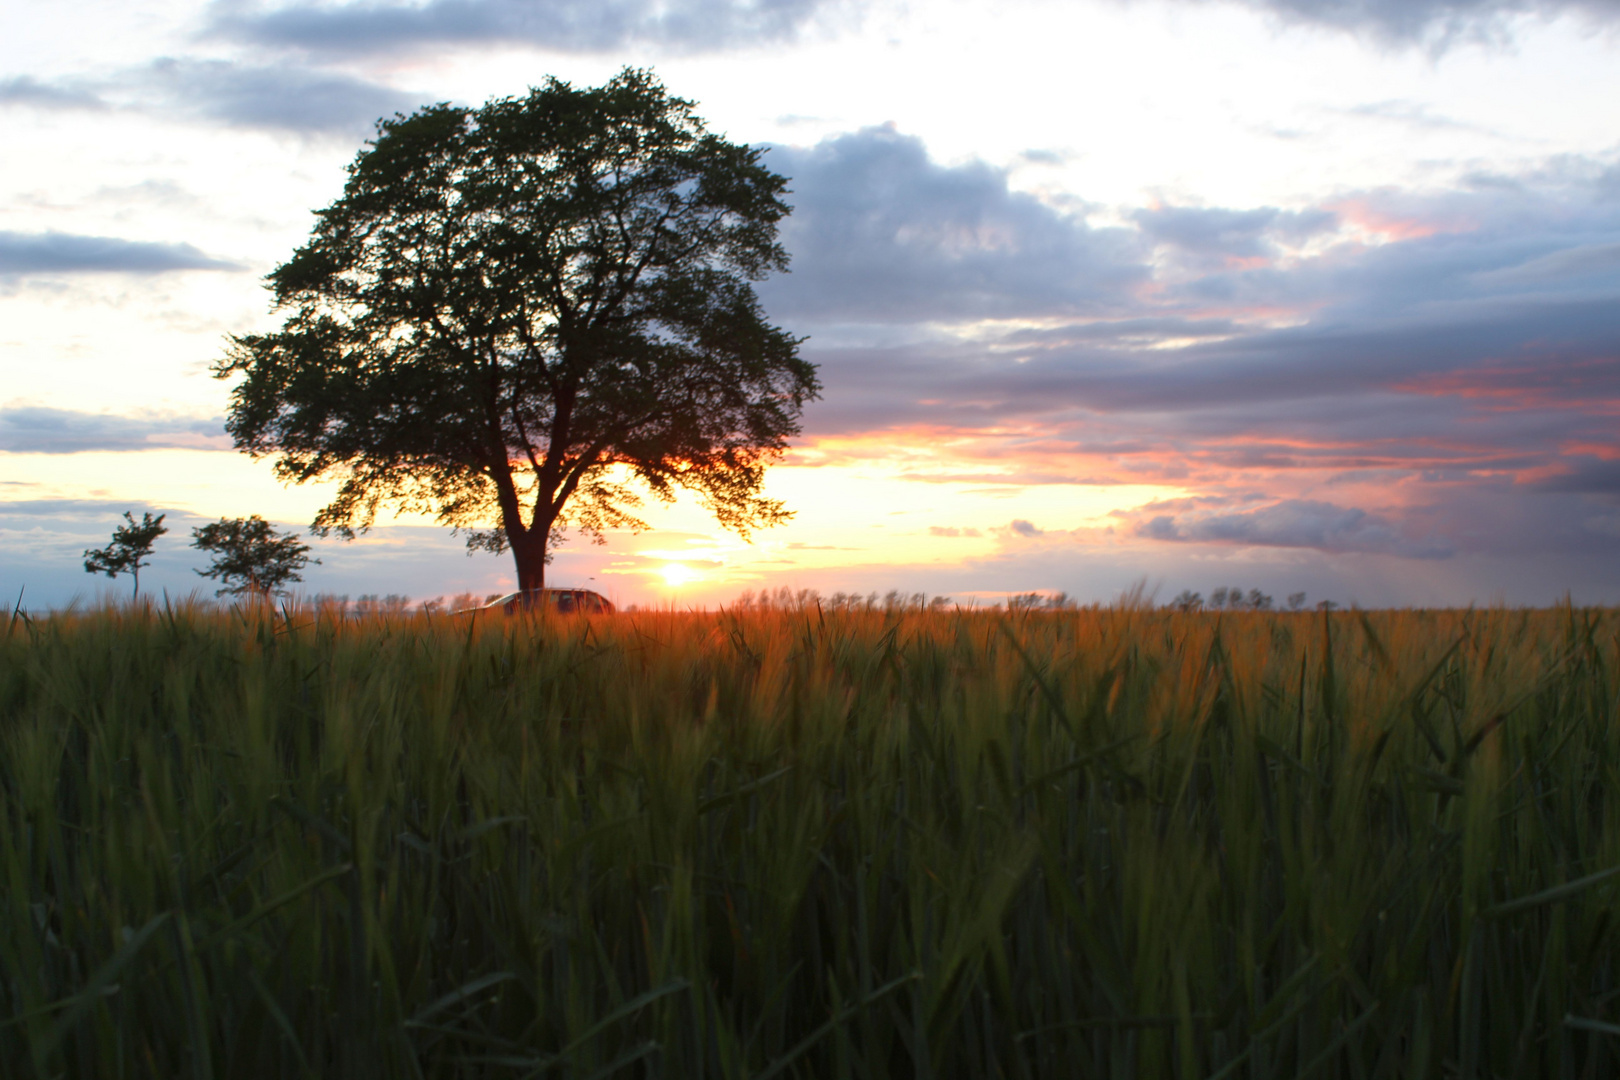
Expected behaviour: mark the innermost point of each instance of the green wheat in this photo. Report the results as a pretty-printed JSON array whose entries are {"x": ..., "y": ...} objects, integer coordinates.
[{"x": 1104, "y": 843}]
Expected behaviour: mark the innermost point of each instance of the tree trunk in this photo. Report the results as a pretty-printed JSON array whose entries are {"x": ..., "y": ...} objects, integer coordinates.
[{"x": 529, "y": 551}]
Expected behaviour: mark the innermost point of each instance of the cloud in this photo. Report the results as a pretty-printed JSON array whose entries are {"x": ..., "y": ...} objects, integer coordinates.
[
  {"x": 1025, "y": 528},
  {"x": 1231, "y": 233},
  {"x": 25, "y": 254},
  {"x": 951, "y": 531},
  {"x": 1413, "y": 114},
  {"x": 1582, "y": 261},
  {"x": 1455, "y": 353},
  {"x": 25, "y": 90},
  {"x": 1407, "y": 317},
  {"x": 881, "y": 233},
  {"x": 1138, "y": 332},
  {"x": 591, "y": 26},
  {"x": 1584, "y": 475},
  {"x": 284, "y": 97},
  {"x": 62, "y": 508},
  {"x": 33, "y": 429},
  {"x": 1436, "y": 23},
  {"x": 1292, "y": 523},
  {"x": 42, "y": 543}
]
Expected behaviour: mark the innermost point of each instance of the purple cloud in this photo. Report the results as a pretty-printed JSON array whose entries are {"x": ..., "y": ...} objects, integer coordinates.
[{"x": 1301, "y": 523}]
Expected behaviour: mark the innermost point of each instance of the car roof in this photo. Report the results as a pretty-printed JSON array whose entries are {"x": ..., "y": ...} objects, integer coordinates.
[{"x": 578, "y": 594}]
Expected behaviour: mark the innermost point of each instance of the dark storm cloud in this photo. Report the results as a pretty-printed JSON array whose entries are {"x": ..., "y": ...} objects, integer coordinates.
[
  {"x": 1300, "y": 523},
  {"x": 53, "y": 253},
  {"x": 290, "y": 98},
  {"x": 565, "y": 25},
  {"x": 31, "y": 429},
  {"x": 1433, "y": 22},
  {"x": 881, "y": 233}
]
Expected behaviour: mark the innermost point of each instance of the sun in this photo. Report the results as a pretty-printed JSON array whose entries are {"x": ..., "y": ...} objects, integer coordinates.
[{"x": 677, "y": 574}]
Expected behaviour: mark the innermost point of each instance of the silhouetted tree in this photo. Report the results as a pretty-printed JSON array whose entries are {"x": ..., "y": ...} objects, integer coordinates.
[
  {"x": 1187, "y": 600},
  {"x": 131, "y": 544},
  {"x": 527, "y": 314},
  {"x": 1296, "y": 601},
  {"x": 248, "y": 552}
]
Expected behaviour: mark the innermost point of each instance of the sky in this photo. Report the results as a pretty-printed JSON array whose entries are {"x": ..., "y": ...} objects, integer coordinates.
[{"x": 1314, "y": 296}]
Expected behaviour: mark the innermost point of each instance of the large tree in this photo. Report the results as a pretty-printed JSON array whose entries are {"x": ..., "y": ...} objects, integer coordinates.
[{"x": 521, "y": 316}]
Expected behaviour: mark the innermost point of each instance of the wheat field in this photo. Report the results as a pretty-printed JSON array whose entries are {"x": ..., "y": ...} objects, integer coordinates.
[{"x": 1111, "y": 842}]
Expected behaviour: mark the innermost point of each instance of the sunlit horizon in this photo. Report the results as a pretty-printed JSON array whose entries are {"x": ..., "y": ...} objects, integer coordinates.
[{"x": 1173, "y": 295}]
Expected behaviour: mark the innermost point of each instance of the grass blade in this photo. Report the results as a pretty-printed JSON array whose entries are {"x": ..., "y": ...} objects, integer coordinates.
[{"x": 1553, "y": 895}]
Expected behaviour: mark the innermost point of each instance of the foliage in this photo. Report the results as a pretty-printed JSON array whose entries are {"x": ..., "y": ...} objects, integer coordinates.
[
  {"x": 787, "y": 599},
  {"x": 131, "y": 544},
  {"x": 1034, "y": 601},
  {"x": 248, "y": 552},
  {"x": 527, "y": 314},
  {"x": 1231, "y": 599},
  {"x": 1125, "y": 842}
]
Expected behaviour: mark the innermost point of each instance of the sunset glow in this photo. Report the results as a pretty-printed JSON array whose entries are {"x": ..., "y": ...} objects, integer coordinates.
[
  {"x": 1328, "y": 300},
  {"x": 677, "y": 574}
]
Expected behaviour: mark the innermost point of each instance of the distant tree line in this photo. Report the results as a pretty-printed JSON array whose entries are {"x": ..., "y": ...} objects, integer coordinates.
[
  {"x": 370, "y": 604},
  {"x": 1232, "y": 598},
  {"x": 788, "y": 599}
]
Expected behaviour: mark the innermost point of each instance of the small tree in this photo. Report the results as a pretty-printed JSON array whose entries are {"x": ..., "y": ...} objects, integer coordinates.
[
  {"x": 248, "y": 552},
  {"x": 131, "y": 544}
]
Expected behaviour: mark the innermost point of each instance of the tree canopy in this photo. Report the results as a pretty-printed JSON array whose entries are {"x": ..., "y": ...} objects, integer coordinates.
[
  {"x": 131, "y": 544},
  {"x": 523, "y": 316},
  {"x": 250, "y": 556}
]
